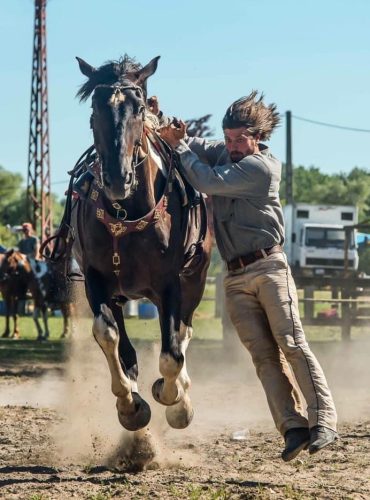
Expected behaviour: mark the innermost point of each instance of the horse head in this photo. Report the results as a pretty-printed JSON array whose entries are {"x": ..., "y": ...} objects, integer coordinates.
[
  {"x": 119, "y": 104},
  {"x": 14, "y": 263}
]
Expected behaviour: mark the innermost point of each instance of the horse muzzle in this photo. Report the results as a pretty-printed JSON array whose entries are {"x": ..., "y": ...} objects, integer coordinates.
[{"x": 116, "y": 192}]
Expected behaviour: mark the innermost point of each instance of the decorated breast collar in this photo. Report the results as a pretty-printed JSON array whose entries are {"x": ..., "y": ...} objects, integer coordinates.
[{"x": 118, "y": 225}]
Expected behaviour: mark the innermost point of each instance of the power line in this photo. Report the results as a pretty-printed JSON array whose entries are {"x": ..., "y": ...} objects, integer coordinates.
[
  {"x": 315, "y": 122},
  {"x": 60, "y": 182}
]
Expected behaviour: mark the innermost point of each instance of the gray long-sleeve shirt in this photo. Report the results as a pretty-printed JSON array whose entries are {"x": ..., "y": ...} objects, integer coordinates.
[{"x": 246, "y": 205}]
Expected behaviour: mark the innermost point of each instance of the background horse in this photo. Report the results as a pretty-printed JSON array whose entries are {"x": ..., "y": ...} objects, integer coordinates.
[
  {"x": 136, "y": 236},
  {"x": 16, "y": 279}
]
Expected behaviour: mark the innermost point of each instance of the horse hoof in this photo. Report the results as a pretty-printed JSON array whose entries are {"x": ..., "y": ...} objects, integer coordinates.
[
  {"x": 5, "y": 335},
  {"x": 157, "y": 392},
  {"x": 180, "y": 415},
  {"x": 137, "y": 420}
]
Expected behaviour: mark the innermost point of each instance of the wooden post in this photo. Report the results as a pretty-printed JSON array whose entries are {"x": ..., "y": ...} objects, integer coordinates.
[
  {"x": 346, "y": 319},
  {"x": 219, "y": 295},
  {"x": 308, "y": 307},
  {"x": 288, "y": 162}
]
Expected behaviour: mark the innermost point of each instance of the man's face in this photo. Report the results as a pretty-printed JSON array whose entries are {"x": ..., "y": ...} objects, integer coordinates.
[
  {"x": 240, "y": 143},
  {"x": 26, "y": 231}
]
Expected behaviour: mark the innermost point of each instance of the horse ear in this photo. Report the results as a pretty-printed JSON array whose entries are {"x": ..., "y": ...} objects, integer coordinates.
[
  {"x": 85, "y": 68},
  {"x": 147, "y": 71}
]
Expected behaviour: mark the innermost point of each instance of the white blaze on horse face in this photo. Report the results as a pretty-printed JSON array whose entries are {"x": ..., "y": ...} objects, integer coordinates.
[{"x": 116, "y": 98}]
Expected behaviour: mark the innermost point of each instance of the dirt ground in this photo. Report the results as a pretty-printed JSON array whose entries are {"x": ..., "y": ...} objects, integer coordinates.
[{"x": 60, "y": 438}]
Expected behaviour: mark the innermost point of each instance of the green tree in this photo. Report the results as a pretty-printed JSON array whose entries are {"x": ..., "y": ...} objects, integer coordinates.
[
  {"x": 10, "y": 191},
  {"x": 310, "y": 185},
  {"x": 13, "y": 206}
]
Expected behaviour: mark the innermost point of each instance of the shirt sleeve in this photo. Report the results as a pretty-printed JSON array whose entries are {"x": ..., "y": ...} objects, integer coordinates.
[
  {"x": 208, "y": 151},
  {"x": 248, "y": 178}
]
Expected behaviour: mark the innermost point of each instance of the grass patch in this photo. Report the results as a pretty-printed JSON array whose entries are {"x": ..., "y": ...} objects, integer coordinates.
[
  {"x": 31, "y": 351},
  {"x": 207, "y": 334}
]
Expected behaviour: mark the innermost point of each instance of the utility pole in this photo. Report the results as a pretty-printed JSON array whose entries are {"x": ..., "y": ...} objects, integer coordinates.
[
  {"x": 38, "y": 178},
  {"x": 288, "y": 162}
]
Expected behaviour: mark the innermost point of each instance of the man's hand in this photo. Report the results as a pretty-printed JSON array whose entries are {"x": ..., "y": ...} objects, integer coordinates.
[{"x": 173, "y": 133}]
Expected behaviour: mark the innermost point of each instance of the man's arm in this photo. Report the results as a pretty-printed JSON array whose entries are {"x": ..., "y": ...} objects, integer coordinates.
[
  {"x": 248, "y": 178},
  {"x": 208, "y": 151},
  {"x": 211, "y": 152}
]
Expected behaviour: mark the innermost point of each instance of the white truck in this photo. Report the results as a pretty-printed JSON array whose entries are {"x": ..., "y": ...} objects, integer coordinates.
[{"x": 315, "y": 238}]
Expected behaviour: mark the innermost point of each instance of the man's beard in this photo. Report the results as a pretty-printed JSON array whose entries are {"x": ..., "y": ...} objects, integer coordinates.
[{"x": 236, "y": 156}]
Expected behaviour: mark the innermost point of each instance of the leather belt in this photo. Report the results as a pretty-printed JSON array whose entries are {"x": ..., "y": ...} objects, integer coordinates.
[{"x": 249, "y": 258}]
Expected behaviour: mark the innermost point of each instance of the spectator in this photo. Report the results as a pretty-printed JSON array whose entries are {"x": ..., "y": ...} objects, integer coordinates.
[{"x": 29, "y": 244}]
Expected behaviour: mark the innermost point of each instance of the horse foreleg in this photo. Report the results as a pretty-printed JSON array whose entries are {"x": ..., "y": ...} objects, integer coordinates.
[
  {"x": 133, "y": 411},
  {"x": 44, "y": 310},
  {"x": 35, "y": 316},
  {"x": 6, "y": 333},
  {"x": 168, "y": 390},
  {"x": 181, "y": 414},
  {"x": 15, "y": 321},
  {"x": 66, "y": 309}
]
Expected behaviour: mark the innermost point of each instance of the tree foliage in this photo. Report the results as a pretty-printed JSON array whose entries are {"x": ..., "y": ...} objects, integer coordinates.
[
  {"x": 13, "y": 205},
  {"x": 199, "y": 127},
  {"x": 310, "y": 185}
]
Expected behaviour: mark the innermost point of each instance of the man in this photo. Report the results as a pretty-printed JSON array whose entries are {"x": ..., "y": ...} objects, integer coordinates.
[
  {"x": 243, "y": 178},
  {"x": 29, "y": 244}
]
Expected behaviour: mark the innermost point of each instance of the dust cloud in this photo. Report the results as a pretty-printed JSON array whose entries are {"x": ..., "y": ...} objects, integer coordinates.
[
  {"x": 225, "y": 400},
  {"x": 226, "y": 394},
  {"x": 347, "y": 369}
]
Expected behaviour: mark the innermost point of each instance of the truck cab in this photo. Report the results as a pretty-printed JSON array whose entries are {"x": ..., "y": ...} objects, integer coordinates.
[
  {"x": 322, "y": 248},
  {"x": 315, "y": 238}
]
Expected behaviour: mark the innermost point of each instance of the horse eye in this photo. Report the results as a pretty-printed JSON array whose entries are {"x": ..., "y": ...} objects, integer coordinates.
[{"x": 138, "y": 93}]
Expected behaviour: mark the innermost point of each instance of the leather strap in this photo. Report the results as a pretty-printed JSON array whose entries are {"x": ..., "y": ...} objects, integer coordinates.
[{"x": 249, "y": 258}]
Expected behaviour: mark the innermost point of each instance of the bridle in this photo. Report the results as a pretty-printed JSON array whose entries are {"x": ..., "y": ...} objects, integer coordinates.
[{"x": 136, "y": 162}]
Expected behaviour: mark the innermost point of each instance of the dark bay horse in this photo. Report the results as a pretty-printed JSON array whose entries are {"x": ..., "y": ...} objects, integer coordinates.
[
  {"x": 16, "y": 279},
  {"x": 136, "y": 236}
]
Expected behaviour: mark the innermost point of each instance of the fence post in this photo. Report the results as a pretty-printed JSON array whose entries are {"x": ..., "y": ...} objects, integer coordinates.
[
  {"x": 308, "y": 307},
  {"x": 346, "y": 317},
  {"x": 219, "y": 296}
]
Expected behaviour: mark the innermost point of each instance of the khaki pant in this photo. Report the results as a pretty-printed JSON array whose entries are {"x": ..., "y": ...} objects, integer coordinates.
[{"x": 263, "y": 306}]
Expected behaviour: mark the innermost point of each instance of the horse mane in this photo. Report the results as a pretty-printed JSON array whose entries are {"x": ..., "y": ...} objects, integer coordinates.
[{"x": 126, "y": 68}]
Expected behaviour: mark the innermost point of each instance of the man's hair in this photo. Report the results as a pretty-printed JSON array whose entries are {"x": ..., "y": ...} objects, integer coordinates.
[{"x": 251, "y": 112}]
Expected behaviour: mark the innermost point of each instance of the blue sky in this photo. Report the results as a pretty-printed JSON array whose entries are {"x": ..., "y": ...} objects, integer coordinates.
[{"x": 310, "y": 57}]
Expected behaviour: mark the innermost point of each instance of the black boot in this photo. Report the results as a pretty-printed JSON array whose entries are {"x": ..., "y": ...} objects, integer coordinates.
[
  {"x": 296, "y": 440},
  {"x": 320, "y": 437}
]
